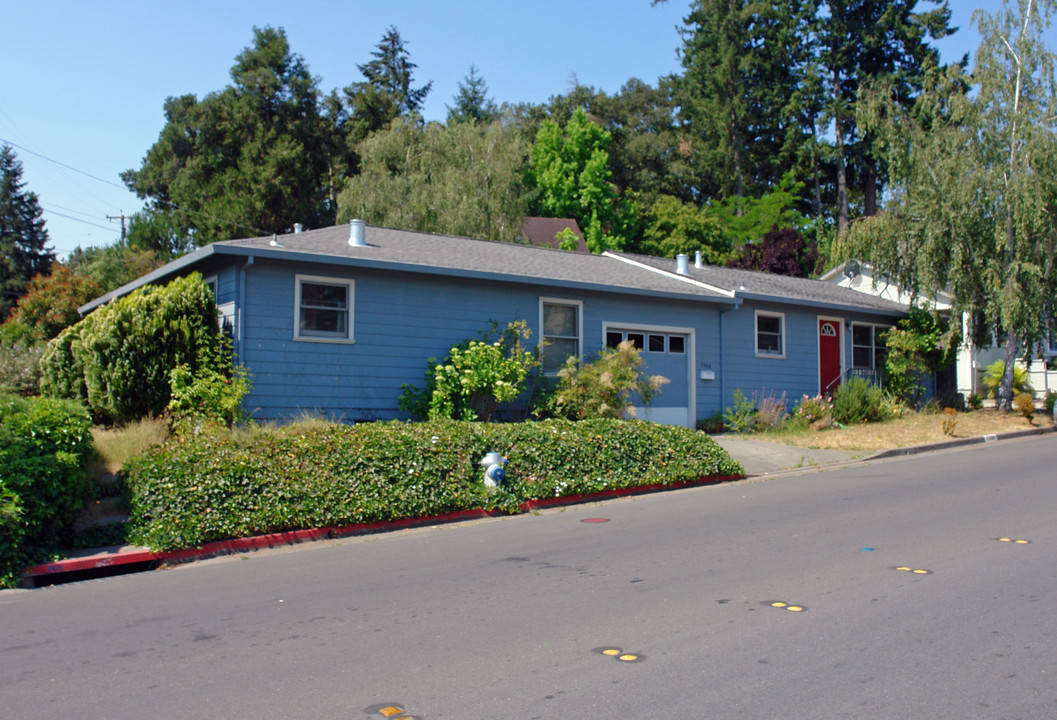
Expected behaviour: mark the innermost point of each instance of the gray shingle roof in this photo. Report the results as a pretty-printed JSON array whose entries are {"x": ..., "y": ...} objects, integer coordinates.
[
  {"x": 409, "y": 251},
  {"x": 750, "y": 284},
  {"x": 457, "y": 256}
]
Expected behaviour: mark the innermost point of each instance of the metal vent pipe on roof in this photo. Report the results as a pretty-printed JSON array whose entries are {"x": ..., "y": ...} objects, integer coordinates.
[
  {"x": 357, "y": 232},
  {"x": 682, "y": 264},
  {"x": 298, "y": 227},
  {"x": 698, "y": 263}
]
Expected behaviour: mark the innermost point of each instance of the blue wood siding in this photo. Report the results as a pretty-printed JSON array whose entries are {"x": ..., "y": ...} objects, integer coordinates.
[
  {"x": 796, "y": 373},
  {"x": 400, "y": 320}
]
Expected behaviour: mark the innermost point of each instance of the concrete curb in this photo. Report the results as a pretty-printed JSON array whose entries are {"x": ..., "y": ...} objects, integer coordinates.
[
  {"x": 978, "y": 440},
  {"x": 124, "y": 559}
]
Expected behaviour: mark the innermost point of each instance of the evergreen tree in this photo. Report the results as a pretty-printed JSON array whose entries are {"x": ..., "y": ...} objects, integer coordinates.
[
  {"x": 385, "y": 93},
  {"x": 23, "y": 237},
  {"x": 247, "y": 160},
  {"x": 743, "y": 62},
  {"x": 472, "y": 103},
  {"x": 869, "y": 40}
]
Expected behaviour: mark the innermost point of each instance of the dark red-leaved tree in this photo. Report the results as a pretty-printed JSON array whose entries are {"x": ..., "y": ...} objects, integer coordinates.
[{"x": 781, "y": 252}]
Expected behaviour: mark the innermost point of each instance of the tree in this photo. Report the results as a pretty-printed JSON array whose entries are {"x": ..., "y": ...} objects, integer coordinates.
[
  {"x": 781, "y": 252},
  {"x": 674, "y": 227},
  {"x": 745, "y": 220},
  {"x": 742, "y": 64},
  {"x": 472, "y": 103},
  {"x": 51, "y": 301},
  {"x": 863, "y": 40},
  {"x": 570, "y": 166},
  {"x": 249, "y": 159},
  {"x": 919, "y": 343},
  {"x": 385, "y": 93},
  {"x": 463, "y": 179},
  {"x": 112, "y": 266},
  {"x": 160, "y": 232},
  {"x": 23, "y": 237},
  {"x": 975, "y": 195}
]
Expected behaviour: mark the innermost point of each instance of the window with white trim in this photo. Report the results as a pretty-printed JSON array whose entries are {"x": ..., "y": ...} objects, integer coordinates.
[
  {"x": 561, "y": 332},
  {"x": 323, "y": 308},
  {"x": 868, "y": 351},
  {"x": 770, "y": 334}
]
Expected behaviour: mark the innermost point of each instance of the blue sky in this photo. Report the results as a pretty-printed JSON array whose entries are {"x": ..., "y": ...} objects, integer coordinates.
[{"x": 82, "y": 83}]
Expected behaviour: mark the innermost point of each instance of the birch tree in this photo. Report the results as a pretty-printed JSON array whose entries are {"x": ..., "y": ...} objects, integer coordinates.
[{"x": 975, "y": 186}]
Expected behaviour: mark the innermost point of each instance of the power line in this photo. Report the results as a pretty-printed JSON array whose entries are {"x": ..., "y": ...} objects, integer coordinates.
[
  {"x": 71, "y": 217},
  {"x": 61, "y": 164}
]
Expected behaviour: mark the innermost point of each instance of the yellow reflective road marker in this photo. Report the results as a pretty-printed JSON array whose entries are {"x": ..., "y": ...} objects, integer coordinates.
[
  {"x": 628, "y": 657},
  {"x": 611, "y": 651},
  {"x": 778, "y": 604},
  {"x": 795, "y": 608},
  {"x": 918, "y": 571}
]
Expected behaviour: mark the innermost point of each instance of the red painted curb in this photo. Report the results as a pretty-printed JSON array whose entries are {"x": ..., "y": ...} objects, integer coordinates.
[{"x": 128, "y": 556}]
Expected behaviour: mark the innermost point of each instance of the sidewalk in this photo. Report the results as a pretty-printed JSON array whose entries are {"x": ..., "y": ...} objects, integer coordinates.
[{"x": 757, "y": 457}]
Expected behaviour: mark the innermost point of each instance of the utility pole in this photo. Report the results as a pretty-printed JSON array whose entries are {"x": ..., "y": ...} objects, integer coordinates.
[{"x": 122, "y": 217}]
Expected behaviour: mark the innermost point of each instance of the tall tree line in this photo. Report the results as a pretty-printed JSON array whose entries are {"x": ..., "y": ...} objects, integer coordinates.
[{"x": 767, "y": 96}]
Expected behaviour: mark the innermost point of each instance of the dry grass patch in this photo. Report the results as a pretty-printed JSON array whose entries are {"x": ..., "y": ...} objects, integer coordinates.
[
  {"x": 118, "y": 444},
  {"x": 911, "y": 429}
]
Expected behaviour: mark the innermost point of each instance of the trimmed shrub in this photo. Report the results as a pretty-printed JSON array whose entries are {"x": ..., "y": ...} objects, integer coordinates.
[
  {"x": 858, "y": 401},
  {"x": 221, "y": 485},
  {"x": 208, "y": 396},
  {"x": 118, "y": 359},
  {"x": 45, "y": 445}
]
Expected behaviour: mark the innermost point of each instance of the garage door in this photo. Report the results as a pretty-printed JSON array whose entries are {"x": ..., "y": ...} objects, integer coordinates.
[{"x": 667, "y": 352}]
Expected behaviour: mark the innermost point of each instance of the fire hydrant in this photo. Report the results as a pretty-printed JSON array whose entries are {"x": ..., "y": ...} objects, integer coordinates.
[{"x": 493, "y": 464}]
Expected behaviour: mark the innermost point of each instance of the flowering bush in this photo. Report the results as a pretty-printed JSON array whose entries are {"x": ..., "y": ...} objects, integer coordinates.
[
  {"x": 815, "y": 412},
  {"x": 605, "y": 388}
]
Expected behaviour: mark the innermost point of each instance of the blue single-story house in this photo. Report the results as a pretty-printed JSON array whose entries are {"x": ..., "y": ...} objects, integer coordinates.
[{"x": 336, "y": 320}]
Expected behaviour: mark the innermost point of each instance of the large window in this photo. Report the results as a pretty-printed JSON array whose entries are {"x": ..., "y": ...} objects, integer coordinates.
[
  {"x": 323, "y": 309},
  {"x": 770, "y": 334},
  {"x": 867, "y": 350},
  {"x": 562, "y": 337}
]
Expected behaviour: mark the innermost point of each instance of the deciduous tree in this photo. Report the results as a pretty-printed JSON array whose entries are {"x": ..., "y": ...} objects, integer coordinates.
[{"x": 975, "y": 194}]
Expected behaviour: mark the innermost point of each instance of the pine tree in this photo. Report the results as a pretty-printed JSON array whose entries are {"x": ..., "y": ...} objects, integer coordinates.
[
  {"x": 472, "y": 103},
  {"x": 23, "y": 238}
]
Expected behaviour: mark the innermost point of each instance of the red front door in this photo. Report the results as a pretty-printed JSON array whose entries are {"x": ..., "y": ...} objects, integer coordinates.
[{"x": 828, "y": 355}]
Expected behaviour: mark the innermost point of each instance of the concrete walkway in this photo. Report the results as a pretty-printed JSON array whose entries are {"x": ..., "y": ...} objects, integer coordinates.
[{"x": 760, "y": 457}]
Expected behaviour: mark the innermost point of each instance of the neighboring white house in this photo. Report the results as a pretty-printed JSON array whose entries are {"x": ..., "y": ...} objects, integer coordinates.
[{"x": 971, "y": 364}]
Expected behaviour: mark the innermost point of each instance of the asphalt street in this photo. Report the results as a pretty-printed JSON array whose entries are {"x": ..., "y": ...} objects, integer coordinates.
[{"x": 889, "y": 589}]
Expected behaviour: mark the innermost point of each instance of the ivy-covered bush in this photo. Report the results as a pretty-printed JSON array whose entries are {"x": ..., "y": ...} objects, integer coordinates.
[
  {"x": 45, "y": 445},
  {"x": 118, "y": 359},
  {"x": 858, "y": 401},
  {"x": 220, "y": 485}
]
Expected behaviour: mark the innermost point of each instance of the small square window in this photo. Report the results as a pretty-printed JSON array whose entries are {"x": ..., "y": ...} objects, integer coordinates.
[
  {"x": 769, "y": 332},
  {"x": 638, "y": 340},
  {"x": 613, "y": 339},
  {"x": 560, "y": 332},
  {"x": 676, "y": 344},
  {"x": 656, "y": 343},
  {"x": 324, "y": 309}
]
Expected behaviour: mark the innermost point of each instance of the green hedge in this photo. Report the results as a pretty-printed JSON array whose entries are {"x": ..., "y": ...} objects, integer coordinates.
[
  {"x": 118, "y": 359},
  {"x": 45, "y": 445},
  {"x": 216, "y": 486}
]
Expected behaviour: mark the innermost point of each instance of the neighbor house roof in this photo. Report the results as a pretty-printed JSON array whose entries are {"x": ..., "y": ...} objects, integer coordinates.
[
  {"x": 543, "y": 232},
  {"x": 388, "y": 249}
]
